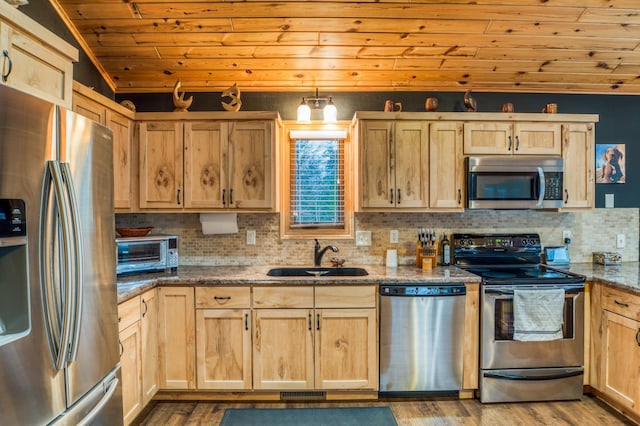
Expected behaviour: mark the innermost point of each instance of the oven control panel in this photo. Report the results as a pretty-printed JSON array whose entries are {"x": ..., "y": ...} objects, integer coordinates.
[
  {"x": 475, "y": 241},
  {"x": 423, "y": 290}
]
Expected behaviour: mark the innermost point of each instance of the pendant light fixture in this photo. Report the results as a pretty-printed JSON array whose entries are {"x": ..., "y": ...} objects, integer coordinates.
[{"x": 330, "y": 111}]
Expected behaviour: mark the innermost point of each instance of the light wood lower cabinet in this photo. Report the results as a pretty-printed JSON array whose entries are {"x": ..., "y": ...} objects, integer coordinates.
[
  {"x": 149, "y": 336},
  {"x": 223, "y": 338},
  {"x": 131, "y": 371},
  {"x": 177, "y": 338}
]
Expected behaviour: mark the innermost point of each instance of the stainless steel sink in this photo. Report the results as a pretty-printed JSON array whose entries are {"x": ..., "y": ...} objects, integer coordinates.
[{"x": 301, "y": 271}]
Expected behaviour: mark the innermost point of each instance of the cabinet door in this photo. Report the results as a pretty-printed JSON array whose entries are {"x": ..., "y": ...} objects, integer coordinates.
[
  {"x": 224, "y": 349},
  {"x": 177, "y": 338},
  {"x": 375, "y": 164},
  {"x": 131, "y": 365},
  {"x": 446, "y": 166},
  {"x": 488, "y": 138},
  {"x": 538, "y": 138},
  {"x": 346, "y": 349},
  {"x": 205, "y": 164},
  {"x": 250, "y": 165},
  {"x": 578, "y": 145},
  {"x": 411, "y": 165},
  {"x": 149, "y": 330},
  {"x": 161, "y": 164},
  {"x": 283, "y": 349},
  {"x": 621, "y": 371},
  {"x": 122, "y": 129},
  {"x": 89, "y": 108},
  {"x": 36, "y": 68}
]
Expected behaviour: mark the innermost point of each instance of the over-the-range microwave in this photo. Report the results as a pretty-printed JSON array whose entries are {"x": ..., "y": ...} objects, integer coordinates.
[
  {"x": 152, "y": 253},
  {"x": 512, "y": 182}
]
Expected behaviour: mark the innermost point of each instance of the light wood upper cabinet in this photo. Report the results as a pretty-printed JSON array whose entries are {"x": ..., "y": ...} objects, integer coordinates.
[
  {"x": 531, "y": 138},
  {"x": 177, "y": 338},
  {"x": 578, "y": 145},
  {"x": 446, "y": 166},
  {"x": 107, "y": 112},
  {"x": 36, "y": 61},
  {"x": 161, "y": 162},
  {"x": 394, "y": 164},
  {"x": 226, "y": 164}
]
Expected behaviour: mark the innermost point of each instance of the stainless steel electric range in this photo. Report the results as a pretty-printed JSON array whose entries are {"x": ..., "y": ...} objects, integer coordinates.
[{"x": 512, "y": 369}]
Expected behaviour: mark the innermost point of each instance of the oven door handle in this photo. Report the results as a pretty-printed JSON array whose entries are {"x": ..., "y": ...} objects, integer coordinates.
[
  {"x": 533, "y": 378},
  {"x": 541, "y": 187},
  {"x": 509, "y": 291}
]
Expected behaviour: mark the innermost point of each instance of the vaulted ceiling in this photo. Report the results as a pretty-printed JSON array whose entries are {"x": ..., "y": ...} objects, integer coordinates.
[{"x": 568, "y": 46}]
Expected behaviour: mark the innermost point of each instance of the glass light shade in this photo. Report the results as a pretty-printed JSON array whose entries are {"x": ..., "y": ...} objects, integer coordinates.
[
  {"x": 330, "y": 112},
  {"x": 303, "y": 114}
]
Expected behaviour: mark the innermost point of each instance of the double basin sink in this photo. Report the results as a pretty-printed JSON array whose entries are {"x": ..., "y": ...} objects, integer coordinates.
[{"x": 301, "y": 271}]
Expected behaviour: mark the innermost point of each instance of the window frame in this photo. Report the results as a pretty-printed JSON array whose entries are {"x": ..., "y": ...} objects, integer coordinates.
[{"x": 286, "y": 230}]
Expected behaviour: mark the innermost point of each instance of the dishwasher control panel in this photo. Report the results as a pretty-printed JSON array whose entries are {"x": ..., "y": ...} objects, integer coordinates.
[{"x": 423, "y": 290}]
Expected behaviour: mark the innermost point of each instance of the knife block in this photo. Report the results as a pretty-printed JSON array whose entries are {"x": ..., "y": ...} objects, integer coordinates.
[{"x": 427, "y": 253}]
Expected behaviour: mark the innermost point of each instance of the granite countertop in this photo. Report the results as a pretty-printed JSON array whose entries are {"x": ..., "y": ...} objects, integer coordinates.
[
  {"x": 129, "y": 287},
  {"x": 625, "y": 276}
]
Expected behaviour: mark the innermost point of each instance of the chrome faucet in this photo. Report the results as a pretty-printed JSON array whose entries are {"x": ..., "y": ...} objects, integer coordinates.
[{"x": 318, "y": 253}]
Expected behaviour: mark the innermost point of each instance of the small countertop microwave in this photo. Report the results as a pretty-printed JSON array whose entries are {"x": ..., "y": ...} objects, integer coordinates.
[
  {"x": 514, "y": 182},
  {"x": 151, "y": 253}
]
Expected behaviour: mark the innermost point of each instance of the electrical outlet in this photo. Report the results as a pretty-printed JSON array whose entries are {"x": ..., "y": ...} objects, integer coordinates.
[
  {"x": 566, "y": 236},
  {"x": 251, "y": 237},
  {"x": 393, "y": 236},
  {"x": 363, "y": 238},
  {"x": 620, "y": 241}
]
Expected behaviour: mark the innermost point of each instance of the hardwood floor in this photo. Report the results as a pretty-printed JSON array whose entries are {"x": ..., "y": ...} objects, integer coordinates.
[{"x": 586, "y": 412}]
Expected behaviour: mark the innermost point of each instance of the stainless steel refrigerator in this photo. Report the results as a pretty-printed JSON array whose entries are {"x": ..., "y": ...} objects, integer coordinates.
[{"x": 59, "y": 349}]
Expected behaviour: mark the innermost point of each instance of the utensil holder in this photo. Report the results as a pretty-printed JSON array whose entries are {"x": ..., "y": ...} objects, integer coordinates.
[{"x": 430, "y": 252}]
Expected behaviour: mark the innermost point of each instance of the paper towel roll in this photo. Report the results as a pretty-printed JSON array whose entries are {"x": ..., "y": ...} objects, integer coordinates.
[{"x": 219, "y": 223}]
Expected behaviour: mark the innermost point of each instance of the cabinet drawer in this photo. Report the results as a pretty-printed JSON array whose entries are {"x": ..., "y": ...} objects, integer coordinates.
[
  {"x": 223, "y": 297},
  {"x": 346, "y": 297},
  {"x": 283, "y": 297},
  {"x": 621, "y": 302},
  {"x": 128, "y": 313}
]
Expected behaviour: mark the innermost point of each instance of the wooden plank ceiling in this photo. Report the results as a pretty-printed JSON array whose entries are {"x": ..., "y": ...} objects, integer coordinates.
[{"x": 569, "y": 46}]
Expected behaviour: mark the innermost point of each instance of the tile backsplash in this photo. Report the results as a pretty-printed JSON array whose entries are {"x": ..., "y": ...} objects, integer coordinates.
[{"x": 591, "y": 231}]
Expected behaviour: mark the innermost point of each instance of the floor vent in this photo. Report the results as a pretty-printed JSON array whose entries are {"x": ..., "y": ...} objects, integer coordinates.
[{"x": 303, "y": 396}]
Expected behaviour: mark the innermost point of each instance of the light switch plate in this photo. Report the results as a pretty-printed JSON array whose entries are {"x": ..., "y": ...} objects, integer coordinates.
[
  {"x": 363, "y": 238},
  {"x": 620, "y": 241},
  {"x": 608, "y": 201},
  {"x": 393, "y": 236},
  {"x": 251, "y": 237}
]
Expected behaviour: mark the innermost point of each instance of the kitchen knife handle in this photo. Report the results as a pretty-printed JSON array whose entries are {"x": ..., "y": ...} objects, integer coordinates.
[
  {"x": 7, "y": 60},
  {"x": 510, "y": 143},
  {"x": 391, "y": 196}
]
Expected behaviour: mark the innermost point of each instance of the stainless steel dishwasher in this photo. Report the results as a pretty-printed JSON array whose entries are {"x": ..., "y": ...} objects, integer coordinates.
[{"x": 421, "y": 339}]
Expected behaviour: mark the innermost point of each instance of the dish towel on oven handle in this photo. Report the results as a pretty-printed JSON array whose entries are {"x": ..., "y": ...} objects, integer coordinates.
[{"x": 538, "y": 314}]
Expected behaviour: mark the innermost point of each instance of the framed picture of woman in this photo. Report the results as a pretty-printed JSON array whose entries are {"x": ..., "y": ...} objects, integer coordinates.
[{"x": 610, "y": 163}]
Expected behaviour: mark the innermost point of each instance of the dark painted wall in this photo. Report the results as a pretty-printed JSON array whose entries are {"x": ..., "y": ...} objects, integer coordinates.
[{"x": 619, "y": 115}]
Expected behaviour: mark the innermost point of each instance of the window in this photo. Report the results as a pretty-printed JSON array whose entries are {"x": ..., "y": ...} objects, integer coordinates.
[{"x": 316, "y": 189}]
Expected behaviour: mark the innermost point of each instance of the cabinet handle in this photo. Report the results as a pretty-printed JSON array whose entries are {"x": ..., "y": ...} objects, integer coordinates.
[
  {"x": 517, "y": 143},
  {"x": 246, "y": 321},
  {"x": 459, "y": 195},
  {"x": 224, "y": 195},
  {"x": 121, "y": 348},
  {"x": 310, "y": 322},
  {"x": 624, "y": 305},
  {"x": 318, "y": 322},
  {"x": 178, "y": 196},
  {"x": 391, "y": 196},
  {"x": 230, "y": 196},
  {"x": 222, "y": 299},
  {"x": 566, "y": 198},
  {"x": 509, "y": 147},
  {"x": 6, "y": 59},
  {"x": 398, "y": 196},
  {"x": 146, "y": 308}
]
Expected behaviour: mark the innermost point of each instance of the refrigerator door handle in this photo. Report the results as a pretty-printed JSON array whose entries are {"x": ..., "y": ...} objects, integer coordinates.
[
  {"x": 64, "y": 332},
  {"x": 113, "y": 385},
  {"x": 76, "y": 283}
]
